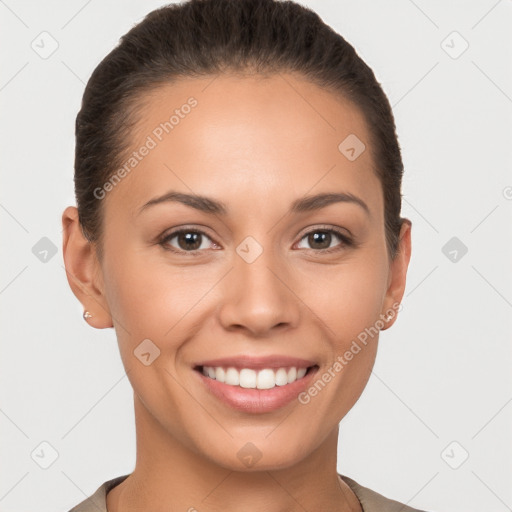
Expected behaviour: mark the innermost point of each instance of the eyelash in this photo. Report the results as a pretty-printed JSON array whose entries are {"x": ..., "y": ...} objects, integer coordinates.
[{"x": 345, "y": 240}]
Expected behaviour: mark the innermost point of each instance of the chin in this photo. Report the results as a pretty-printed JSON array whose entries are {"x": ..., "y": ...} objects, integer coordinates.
[{"x": 261, "y": 454}]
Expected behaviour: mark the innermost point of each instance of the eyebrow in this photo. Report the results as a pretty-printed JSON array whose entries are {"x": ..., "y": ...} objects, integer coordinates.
[{"x": 213, "y": 206}]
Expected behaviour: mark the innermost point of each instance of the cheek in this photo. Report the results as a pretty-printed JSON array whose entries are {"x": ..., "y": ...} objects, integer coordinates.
[
  {"x": 137, "y": 289},
  {"x": 148, "y": 301},
  {"x": 348, "y": 298},
  {"x": 152, "y": 299}
]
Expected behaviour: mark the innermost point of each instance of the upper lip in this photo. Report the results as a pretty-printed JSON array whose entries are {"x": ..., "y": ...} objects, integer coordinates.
[{"x": 258, "y": 362}]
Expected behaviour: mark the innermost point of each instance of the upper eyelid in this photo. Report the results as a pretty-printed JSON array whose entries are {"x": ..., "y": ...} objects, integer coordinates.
[{"x": 324, "y": 227}]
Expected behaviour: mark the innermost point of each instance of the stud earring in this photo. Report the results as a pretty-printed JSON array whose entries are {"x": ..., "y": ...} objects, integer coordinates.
[{"x": 87, "y": 315}]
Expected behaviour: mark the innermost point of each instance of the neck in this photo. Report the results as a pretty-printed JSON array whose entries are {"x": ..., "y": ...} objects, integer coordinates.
[{"x": 170, "y": 476}]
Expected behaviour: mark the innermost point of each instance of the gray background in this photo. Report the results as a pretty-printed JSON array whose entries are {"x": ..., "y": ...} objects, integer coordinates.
[{"x": 441, "y": 388}]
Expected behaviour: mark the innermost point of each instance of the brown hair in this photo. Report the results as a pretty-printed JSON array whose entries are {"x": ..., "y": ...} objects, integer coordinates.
[{"x": 208, "y": 37}]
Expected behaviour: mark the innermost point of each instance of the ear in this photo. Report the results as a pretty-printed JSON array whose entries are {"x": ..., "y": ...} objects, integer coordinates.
[
  {"x": 83, "y": 270},
  {"x": 397, "y": 275}
]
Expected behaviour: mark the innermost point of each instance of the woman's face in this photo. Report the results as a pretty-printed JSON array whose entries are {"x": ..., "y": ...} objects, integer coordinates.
[{"x": 263, "y": 279}]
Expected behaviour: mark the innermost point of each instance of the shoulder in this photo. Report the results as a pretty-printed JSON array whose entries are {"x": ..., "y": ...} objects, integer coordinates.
[
  {"x": 98, "y": 501},
  {"x": 372, "y": 501}
]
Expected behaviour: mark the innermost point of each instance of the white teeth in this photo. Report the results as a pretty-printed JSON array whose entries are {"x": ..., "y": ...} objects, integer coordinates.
[
  {"x": 220, "y": 374},
  {"x": 232, "y": 377},
  {"x": 301, "y": 372},
  {"x": 292, "y": 375},
  {"x": 266, "y": 378},
  {"x": 281, "y": 377},
  {"x": 247, "y": 378}
]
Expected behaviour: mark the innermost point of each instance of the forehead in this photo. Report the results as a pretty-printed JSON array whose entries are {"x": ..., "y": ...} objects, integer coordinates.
[
  {"x": 256, "y": 135},
  {"x": 257, "y": 105}
]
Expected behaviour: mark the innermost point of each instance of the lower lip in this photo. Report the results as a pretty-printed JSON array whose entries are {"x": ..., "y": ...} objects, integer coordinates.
[{"x": 257, "y": 400}]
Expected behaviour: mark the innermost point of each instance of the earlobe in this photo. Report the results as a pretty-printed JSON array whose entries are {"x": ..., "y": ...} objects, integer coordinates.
[
  {"x": 83, "y": 270},
  {"x": 398, "y": 276}
]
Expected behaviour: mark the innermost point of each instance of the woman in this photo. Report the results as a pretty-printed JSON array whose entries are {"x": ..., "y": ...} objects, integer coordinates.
[{"x": 238, "y": 178}]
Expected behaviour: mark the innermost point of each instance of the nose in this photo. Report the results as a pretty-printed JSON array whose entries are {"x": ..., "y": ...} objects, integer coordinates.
[{"x": 259, "y": 297}]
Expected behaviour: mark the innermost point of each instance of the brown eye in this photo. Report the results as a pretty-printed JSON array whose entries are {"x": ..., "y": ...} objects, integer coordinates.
[
  {"x": 320, "y": 240},
  {"x": 189, "y": 241},
  {"x": 325, "y": 240},
  {"x": 186, "y": 240}
]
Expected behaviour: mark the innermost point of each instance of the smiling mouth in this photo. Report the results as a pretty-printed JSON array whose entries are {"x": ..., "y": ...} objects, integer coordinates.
[{"x": 248, "y": 378}]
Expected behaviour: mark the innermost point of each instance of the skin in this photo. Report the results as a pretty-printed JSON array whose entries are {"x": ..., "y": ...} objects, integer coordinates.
[{"x": 256, "y": 144}]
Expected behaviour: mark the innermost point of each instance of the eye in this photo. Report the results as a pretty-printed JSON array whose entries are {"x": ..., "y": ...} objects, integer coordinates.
[
  {"x": 186, "y": 240},
  {"x": 322, "y": 240},
  {"x": 193, "y": 241}
]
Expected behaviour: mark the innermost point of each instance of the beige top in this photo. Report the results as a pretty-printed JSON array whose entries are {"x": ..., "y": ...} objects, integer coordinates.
[{"x": 371, "y": 501}]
